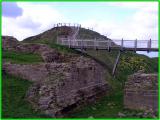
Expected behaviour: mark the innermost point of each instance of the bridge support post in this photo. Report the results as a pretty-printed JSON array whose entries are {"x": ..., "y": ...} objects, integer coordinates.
[
  {"x": 122, "y": 44},
  {"x": 95, "y": 44},
  {"x": 69, "y": 43},
  {"x": 116, "y": 63},
  {"x": 109, "y": 44},
  {"x": 135, "y": 45},
  {"x": 149, "y": 46}
]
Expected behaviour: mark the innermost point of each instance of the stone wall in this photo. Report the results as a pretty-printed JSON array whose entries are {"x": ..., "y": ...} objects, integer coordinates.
[
  {"x": 141, "y": 92},
  {"x": 48, "y": 54},
  {"x": 9, "y": 43},
  {"x": 59, "y": 87}
]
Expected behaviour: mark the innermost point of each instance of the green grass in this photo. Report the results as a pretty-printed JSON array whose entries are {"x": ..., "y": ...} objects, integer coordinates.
[
  {"x": 107, "y": 107},
  {"x": 17, "y": 57},
  {"x": 14, "y": 104},
  {"x": 63, "y": 49}
]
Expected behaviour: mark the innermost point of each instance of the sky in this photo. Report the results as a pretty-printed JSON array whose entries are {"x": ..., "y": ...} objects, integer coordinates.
[{"x": 116, "y": 20}]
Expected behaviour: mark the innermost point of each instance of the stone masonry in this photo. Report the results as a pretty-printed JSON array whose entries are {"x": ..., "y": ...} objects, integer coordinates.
[
  {"x": 58, "y": 86},
  {"x": 141, "y": 92},
  {"x": 48, "y": 54}
]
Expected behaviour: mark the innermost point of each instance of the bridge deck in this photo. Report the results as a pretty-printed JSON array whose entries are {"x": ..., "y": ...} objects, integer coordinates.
[{"x": 114, "y": 48}]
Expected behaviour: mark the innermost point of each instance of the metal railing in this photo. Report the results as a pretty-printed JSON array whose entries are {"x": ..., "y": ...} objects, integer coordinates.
[
  {"x": 142, "y": 45},
  {"x": 66, "y": 24}
]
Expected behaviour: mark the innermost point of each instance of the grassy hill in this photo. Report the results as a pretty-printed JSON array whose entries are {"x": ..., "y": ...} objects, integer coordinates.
[
  {"x": 50, "y": 36},
  {"x": 108, "y": 106},
  {"x": 130, "y": 62}
]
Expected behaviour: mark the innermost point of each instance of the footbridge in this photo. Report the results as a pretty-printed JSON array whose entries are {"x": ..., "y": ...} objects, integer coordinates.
[
  {"x": 120, "y": 45},
  {"x": 110, "y": 44}
]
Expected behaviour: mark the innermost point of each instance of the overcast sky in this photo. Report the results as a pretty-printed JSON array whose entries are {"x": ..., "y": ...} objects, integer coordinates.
[{"x": 128, "y": 20}]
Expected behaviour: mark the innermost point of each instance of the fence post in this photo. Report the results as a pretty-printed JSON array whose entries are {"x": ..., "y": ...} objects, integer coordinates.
[
  {"x": 122, "y": 44},
  {"x": 135, "y": 45}
]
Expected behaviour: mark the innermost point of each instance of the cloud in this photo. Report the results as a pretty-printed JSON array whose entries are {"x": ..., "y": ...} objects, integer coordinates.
[
  {"x": 28, "y": 23},
  {"x": 11, "y": 10},
  {"x": 35, "y": 19},
  {"x": 135, "y": 5},
  {"x": 11, "y": 27},
  {"x": 142, "y": 24}
]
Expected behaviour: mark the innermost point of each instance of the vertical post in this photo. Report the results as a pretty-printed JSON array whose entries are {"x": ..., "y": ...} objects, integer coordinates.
[
  {"x": 122, "y": 44},
  {"x": 109, "y": 42},
  {"x": 135, "y": 45},
  {"x": 69, "y": 43},
  {"x": 149, "y": 45},
  {"x": 95, "y": 45},
  {"x": 116, "y": 63}
]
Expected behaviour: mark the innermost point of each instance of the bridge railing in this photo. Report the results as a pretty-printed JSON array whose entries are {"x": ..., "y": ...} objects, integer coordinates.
[
  {"x": 104, "y": 44},
  {"x": 66, "y": 24}
]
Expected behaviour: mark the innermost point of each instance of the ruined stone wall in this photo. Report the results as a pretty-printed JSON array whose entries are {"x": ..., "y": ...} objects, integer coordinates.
[
  {"x": 141, "y": 92},
  {"x": 58, "y": 86},
  {"x": 48, "y": 54}
]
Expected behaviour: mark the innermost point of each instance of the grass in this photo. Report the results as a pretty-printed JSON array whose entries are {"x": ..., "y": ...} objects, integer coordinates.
[
  {"x": 21, "y": 58},
  {"x": 106, "y": 107},
  {"x": 99, "y": 110},
  {"x": 14, "y": 104}
]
